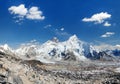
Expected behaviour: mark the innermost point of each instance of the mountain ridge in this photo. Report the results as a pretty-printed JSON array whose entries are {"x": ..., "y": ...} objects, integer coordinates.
[{"x": 72, "y": 49}]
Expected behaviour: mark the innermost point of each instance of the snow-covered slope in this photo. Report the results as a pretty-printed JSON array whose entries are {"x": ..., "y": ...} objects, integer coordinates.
[
  {"x": 27, "y": 51},
  {"x": 71, "y": 50},
  {"x": 5, "y": 49},
  {"x": 53, "y": 50}
]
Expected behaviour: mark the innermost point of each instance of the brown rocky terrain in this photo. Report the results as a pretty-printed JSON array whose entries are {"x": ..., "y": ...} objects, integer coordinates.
[{"x": 14, "y": 70}]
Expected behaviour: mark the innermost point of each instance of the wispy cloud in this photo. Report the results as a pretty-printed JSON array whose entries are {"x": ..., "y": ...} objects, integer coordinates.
[
  {"x": 62, "y": 29},
  {"x": 60, "y": 32},
  {"x": 107, "y": 46},
  {"x": 107, "y": 24},
  {"x": 47, "y": 26},
  {"x": 98, "y": 18},
  {"x": 21, "y": 12},
  {"x": 107, "y": 34}
]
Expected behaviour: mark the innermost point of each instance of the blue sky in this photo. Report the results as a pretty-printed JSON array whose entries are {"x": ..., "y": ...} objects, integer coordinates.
[{"x": 93, "y": 21}]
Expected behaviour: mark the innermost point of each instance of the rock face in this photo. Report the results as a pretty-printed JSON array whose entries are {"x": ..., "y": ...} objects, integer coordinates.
[{"x": 14, "y": 70}]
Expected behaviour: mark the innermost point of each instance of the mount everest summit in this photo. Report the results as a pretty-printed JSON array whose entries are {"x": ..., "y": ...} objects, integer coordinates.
[{"x": 71, "y": 50}]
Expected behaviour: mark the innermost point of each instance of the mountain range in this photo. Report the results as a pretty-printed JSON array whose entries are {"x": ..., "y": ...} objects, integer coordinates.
[{"x": 52, "y": 51}]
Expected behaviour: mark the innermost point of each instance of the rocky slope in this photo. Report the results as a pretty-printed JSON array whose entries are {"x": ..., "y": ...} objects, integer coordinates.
[{"x": 14, "y": 70}]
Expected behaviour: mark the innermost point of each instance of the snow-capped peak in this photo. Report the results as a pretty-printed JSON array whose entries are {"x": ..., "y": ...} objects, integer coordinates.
[
  {"x": 73, "y": 38},
  {"x": 73, "y": 43},
  {"x": 55, "y": 39},
  {"x": 26, "y": 51},
  {"x": 6, "y": 49},
  {"x": 72, "y": 49}
]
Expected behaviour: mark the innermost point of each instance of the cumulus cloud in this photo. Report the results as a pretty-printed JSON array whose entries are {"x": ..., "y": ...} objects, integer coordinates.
[
  {"x": 35, "y": 14},
  {"x": 107, "y": 34},
  {"x": 107, "y": 24},
  {"x": 62, "y": 29},
  {"x": 97, "y": 18},
  {"x": 19, "y": 10},
  {"x": 22, "y": 12}
]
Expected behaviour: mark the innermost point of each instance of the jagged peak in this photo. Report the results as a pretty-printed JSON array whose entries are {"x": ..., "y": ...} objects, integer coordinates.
[
  {"x": 74, "y": 38},
  {"x": 5, "y": 47},
  {"x": 55, "y": 39}
]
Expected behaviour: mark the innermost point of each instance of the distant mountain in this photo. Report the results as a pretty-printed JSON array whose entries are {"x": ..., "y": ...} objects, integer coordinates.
[
  {"x": 27, "y": 51},
  {"x": 5, "y": 49},
  {"x": 71, "y": 50}
]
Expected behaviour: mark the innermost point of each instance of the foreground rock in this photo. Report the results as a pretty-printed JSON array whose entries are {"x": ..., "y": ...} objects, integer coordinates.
[{"x": 13, "y": 70}]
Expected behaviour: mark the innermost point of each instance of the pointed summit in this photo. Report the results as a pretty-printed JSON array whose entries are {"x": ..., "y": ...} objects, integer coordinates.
[
  {"x": 55, "y": 39},
  {"x": 74, "y": 37},
  {"x": 5, "y": 47}
]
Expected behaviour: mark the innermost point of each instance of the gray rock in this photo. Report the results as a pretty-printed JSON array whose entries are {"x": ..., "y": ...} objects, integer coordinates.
[{"x": 17, "y": 80}]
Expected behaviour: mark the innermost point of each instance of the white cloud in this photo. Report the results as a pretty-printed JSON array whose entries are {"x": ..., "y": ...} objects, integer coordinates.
[
  {"x": 48, "y": 26},
  {"x": 107, "y": 24},
  {"x": 35, "y": 14},
  {"x": 19, "y": 10},
  {"x": 62, "y": 34},
  {"x": 97, "y": 18},
  {"x": 62, "y": 29},
  {"x": 107, "y": 47},
  {"x": 22, "y": 12},
  {"x": 117, "y": 45},
  {"x": 107, "y": 34},
  {"x": 32, "y": 41}
]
